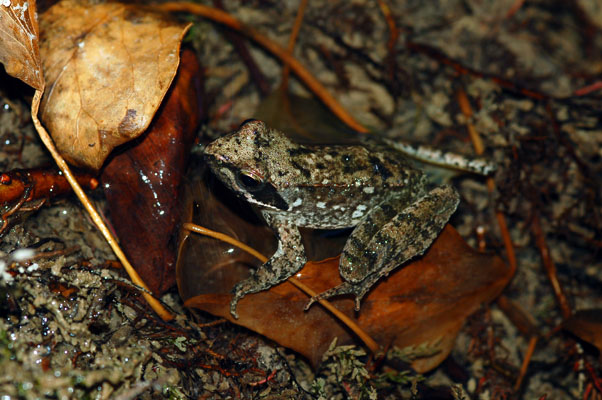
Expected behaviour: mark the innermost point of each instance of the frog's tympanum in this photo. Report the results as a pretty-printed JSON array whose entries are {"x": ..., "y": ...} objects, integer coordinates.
[{"x": 370, "y": 186}]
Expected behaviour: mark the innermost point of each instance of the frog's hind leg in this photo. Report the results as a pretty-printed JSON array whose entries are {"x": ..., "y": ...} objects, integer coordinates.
[
  {"x": 407, "y": 234},
  {"x": 286, "y": 261}
]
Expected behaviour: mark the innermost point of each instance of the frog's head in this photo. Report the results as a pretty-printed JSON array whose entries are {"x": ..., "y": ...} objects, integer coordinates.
[{"x": 250, "y": 161}]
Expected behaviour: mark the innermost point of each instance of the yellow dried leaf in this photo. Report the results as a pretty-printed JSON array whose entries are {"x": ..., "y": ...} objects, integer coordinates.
[
  {"x": 19, "y": 41},
  {"x": 108, "y": 67}
]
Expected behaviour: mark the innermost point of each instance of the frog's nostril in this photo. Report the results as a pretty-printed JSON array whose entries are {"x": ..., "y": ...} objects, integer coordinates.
[{"x": 214, "y": 158}]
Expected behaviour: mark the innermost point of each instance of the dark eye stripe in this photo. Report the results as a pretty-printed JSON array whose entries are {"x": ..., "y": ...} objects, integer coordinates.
[{"x": 268, "y": 194}]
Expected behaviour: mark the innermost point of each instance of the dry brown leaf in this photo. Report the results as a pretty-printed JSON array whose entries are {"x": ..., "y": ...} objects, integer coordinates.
[
  {"x": 419, "y": 308},
  {"x": 107, "y": 67},
  {"x": 19, "y": 50}
]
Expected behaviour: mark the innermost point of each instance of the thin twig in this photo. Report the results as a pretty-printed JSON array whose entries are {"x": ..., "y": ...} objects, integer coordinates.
[
  {"x": 523, "y": 368},
  {"x": 16, "y": 207},
  {"x": 292, "y": 40},
  {"x": 201, "y": 230},
  {"x": 55, "y": 253},
  {"x": 521, "y": 319},
  {"x": 514, "y": 9},
  {"x": 239, "y": 43},
  {"x": 79, "y": 192},
  {"x": 590, "y": 88},
  {"x": 393, "y": 37},
  {"x": 372, "y": 345},
  {"x": 462, "y": 69},
  {"x": 479, "y": 148},
  {"x": 306, "y": 77},
  {"x": 548, "y": 264},
  {"x": 42, "y": 183}
]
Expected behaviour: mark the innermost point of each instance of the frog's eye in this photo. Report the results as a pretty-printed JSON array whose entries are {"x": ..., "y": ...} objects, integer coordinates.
[{"x": 249, "y": 181}]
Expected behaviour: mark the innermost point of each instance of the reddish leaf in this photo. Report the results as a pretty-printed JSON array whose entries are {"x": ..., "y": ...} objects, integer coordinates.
[
  {"x": 19, "y": 50},
  {"x": 107, "y": 67},
  {"x": 142, "y": 180},
  {"x": 419, "y": 308}
]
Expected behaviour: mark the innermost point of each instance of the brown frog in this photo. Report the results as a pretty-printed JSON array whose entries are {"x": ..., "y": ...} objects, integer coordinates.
[{"x": 370, "y": 186}]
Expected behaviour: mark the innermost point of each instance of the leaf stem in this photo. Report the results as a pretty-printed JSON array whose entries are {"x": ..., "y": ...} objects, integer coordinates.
[
  {"x": 479, "y": 148},
  {"x": 83, "y": 198}
]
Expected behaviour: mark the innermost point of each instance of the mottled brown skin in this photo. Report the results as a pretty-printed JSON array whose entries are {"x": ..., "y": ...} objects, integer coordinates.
[
  {"x": 142, "y": 180},
  {"x": 369, "y": 186}
]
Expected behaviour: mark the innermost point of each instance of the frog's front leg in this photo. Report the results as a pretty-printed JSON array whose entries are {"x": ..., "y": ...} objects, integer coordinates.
[
  {"x": 371, "y": 253},
  {"x": 285, "y": 262}
]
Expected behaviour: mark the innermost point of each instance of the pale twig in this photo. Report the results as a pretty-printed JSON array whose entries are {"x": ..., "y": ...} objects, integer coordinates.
[{"x": 102, "y": 227}]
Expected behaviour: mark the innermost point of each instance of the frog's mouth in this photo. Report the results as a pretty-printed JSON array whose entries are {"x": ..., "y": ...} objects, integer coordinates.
[
  {"x": 257, "y": 191},
  {"x": 267, "y": 197}
]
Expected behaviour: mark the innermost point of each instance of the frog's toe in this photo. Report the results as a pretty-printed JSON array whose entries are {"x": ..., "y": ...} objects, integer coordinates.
[
  {"x": 321, "y": 296},
  {"x": 343, "y": 288},
  {"x": 233, "y": 304},
  {"x": 311, "y": 302}
]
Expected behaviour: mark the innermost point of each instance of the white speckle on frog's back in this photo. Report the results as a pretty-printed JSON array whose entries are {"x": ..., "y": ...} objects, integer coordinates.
[{"x": 359, "y": 211}]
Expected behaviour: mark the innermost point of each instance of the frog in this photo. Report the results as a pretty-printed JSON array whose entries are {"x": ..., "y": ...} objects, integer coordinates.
[{"x": 370, "y": 186}]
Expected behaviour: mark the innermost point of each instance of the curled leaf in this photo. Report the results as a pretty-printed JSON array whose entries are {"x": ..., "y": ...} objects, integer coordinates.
[
  {"x": 108, "y": 67},
  {"x": 19, "y": 50}
]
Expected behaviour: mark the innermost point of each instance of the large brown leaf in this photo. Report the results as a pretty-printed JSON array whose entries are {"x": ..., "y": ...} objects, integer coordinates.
[
  {"x": 19, "y": 50},
  {"x": 107, "y": 67},
  {"x": 419, "y": 308}
]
